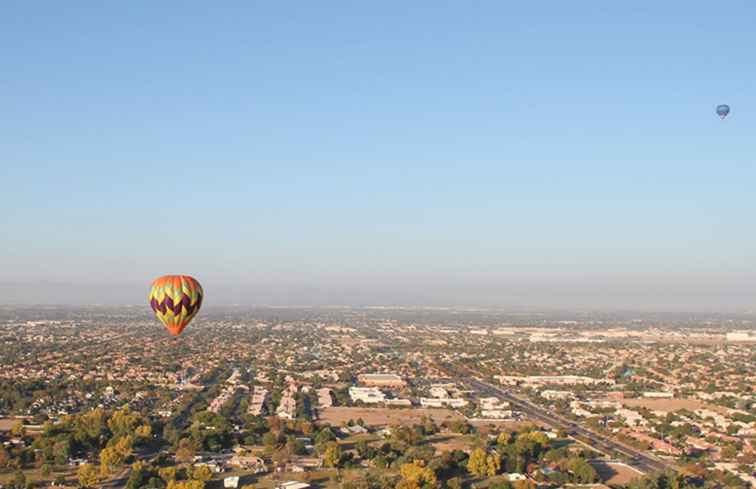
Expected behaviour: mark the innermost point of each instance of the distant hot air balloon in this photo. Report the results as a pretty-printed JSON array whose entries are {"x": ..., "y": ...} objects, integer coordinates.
[
  {"x": 175, "y": 299},
  {"x": 723, "y": 110}
]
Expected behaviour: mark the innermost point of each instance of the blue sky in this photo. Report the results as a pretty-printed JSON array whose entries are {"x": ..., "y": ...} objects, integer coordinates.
[{"x": 505, "y": 153}]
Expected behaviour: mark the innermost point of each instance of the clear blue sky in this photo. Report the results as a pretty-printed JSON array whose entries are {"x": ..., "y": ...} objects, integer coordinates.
[{"x": 513, "y": 153}]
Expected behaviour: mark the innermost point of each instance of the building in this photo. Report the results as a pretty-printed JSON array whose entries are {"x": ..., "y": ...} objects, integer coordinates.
[
  {"x": 381, "y": 380},
  {"x": 231, "y": 482},
  {"x": 248, "y": 462},
  {"x": 659, "y": 395},
  {"x": 438, "y": 403},
  {"x": 257, "y": 401},
  {"x": 497, "y": 413},
  {"x": 632, "y": 418},
  {"x": 398, "y": 402},
  {"x": 368, "y": 395},
  {"x": 288, "y": 407},
  {"x": 293, "y": 485},
  {"x": 556, "y": 395},
  {"x": 740, "y": 336},
  {"x": 493, "y": 408},
  {"x": 492, "y": 403},
  {"x": 439, "y": 392},
  {"x": 552, "y": 379},
  {"x": 325, "y": 399}
]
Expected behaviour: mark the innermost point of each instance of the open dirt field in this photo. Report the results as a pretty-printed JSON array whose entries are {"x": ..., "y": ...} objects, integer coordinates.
[
  {"x": 615, "y": 474},
  {"x": 7, "y": 424},
  {"x": 451, "y": 441},
  {"x": 486, "y": 425},
  {"x": 667, "y": 405},
  {"x": 384, "y": 416}
]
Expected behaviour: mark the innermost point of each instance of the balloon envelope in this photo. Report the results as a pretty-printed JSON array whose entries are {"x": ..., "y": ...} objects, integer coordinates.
[
  {"x": 175, "y": 299},
  {"x": 723, "y": 110}
]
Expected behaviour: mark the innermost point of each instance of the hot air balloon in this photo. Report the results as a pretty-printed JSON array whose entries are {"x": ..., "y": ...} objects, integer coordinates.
[
  {"x": 175, "y": 299},
  {"x": 723, "y": 110}
]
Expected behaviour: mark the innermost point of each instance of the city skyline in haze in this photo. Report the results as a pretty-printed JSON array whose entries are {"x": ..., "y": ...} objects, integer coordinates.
[{"x": 494, "y": 154}]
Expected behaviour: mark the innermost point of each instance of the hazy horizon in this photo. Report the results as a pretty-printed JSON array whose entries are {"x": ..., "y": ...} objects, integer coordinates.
[{"x": 532, "y": 297}]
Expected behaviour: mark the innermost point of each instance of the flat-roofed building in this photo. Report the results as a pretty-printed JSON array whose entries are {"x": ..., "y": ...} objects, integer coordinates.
[
  {"x": 493, "y": 403},
  {"x": 438, "y": 403},
  {"x": 293, "y": 485},
  {"x": 497, "y": 413},
  {"x": 324, "y": 397},
  {"x": 399, "y": 402},
  {"x": 659, "y": 395},
  {"x": 257, "y": 401},
  {"x": 439, "y": 392},
  {"x": 552, "y": 379},
  {"x": 381, "y": 380},
  {"x": 287, "y": 409},
  {"x": 368, "y": 395},
  {"x": 555, "y": 395}
]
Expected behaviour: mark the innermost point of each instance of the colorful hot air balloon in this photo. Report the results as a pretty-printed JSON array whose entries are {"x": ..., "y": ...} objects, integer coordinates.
[
  {"x": 723, "y": 110},
  {"x": 176, "y": 299}
]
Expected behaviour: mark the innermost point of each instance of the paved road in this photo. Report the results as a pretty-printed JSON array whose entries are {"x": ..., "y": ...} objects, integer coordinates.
[{"x": 640, "y": 459}]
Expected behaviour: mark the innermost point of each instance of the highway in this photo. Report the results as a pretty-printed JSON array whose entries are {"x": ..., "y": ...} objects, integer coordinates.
[{"x": 639, "y": 459}]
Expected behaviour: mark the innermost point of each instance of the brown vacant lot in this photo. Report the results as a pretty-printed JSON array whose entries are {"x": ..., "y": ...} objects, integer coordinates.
[
  {"x": 385, "y": 416},
  {"x": 667, "y": 405},
  {"x": 497, "y": 424},
  {"x": 615, "y": 474},
  {"x": 6, "y": 424},
  {"x": 451, "y": 441}
]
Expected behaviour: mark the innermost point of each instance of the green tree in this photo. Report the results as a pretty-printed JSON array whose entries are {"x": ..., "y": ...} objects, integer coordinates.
[
  {"x": 90, "y": 428},
  {"x": 270, "y": 440},
  {"x": 202, "y": 473},
  {"x": 332, "y": 455},
  {"x": 19, "y": 480},
  {"x": 138, "y": 476},
  {"x": 123, "y": 422},
  {"x": 504, "y": 438},
  {"x": 454, "y": 483},
  {"x": 583, "y": 471},
  {"x": 417, "y": 475},
  {"x": 87, "y": 475},
  {"x": 115, "y": 455},
  {"x": 477, "y": 464},
  {"x": 4, "y": 457},
  {"x": 493, "y": 464},
  {"x": 18, "y": 429},
  {"x": 167, "y": 474},
  {"x": 62, "y": 451},
  {"x": 171, "y": 434},
  {"x": 185, "y": 451}
]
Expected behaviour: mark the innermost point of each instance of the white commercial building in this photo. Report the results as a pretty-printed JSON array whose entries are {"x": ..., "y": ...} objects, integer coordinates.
[
  {"x": 437, "y": 403},
  {"x": 368, "y": 395}
]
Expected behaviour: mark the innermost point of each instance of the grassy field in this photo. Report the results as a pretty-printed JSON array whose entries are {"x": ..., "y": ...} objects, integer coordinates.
[
  {"x": 34, "y": 475},
  {"x": 385, "y": 416}
]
